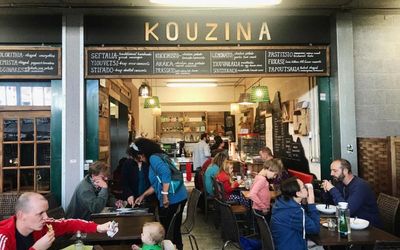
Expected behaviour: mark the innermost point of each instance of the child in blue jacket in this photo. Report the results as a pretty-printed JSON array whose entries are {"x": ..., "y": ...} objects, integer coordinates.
[{"x": 291, "y": 221}]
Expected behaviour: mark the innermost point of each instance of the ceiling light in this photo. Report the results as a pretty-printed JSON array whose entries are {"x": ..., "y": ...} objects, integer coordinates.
[
  {"x": 245, "y": 99},
  {"x": 152, "y": 102},
  {"x": 260, "y": 94},
  {"x": 144, "y": 90},
  {"x": 218, "y": 3},
  {"x": 191, "y": 84}
]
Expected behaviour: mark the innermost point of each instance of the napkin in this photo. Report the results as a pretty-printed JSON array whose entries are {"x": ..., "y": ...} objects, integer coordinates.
[{"x": 112, "y": 229}]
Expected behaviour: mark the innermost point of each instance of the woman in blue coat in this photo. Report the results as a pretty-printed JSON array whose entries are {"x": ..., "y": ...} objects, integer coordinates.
[
  {"x": 291, "y": 221},
  {"x": 160, "y": 179}
]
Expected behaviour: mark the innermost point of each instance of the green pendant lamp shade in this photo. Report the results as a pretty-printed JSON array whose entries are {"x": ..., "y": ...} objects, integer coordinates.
[
  {"x": 151, "y": 102},
  {"x": 260, "y": 94}
]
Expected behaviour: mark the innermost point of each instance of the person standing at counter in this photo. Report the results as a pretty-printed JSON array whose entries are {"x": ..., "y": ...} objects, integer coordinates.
[
  {"x": 201, "y": 151},
  {"x": 218, "y": 146},
  {"x": 160, "y": 179},
  {"x": 353, "y": 190},
  {"x": 92, "y": 194},
  {"x": 134, "y": 176}
]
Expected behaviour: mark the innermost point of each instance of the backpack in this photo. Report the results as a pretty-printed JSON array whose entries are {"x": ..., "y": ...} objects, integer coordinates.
[{"x": 176, "y": 175}]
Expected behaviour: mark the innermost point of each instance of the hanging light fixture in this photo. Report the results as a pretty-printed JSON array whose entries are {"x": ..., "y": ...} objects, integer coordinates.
[
  {"x": 245, "y": 99},
  {"x": 151, "y": 102},
  {"x": 235, "y": 108},
  {"x": 156, "y": 111},
  {"x": 259, "y": 94},
  {"x": 144, "y": 90}
]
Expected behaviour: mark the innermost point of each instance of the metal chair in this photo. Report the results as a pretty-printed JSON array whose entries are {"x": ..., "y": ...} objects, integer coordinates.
[
  {"x": 170, "y": 232},
  {"x": 188, "y": 224},
  {"x": 387, "y": 245},
  {"x": 230, "y": 230},
  {"x": 207, "y": 199},
  {"x": 265, "y": 233},
  {"x": 388, "y": 208}
]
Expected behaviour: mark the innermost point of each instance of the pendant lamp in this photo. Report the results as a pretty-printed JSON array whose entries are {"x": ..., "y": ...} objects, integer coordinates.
[
  {"x": 156, "y": 111},
  {"x": 151, "y": 102},
  {"x": 259, "y": 94},
  {"x": 235, "y": 108},
  {"x": 144, "y": 90},
  {"x": 245, "y": 99}
]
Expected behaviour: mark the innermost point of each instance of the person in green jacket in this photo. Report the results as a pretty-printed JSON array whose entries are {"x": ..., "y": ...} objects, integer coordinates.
[{"x": 92, "y": 194}]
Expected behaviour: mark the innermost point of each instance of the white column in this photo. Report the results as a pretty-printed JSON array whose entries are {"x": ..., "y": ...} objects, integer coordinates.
[{"x": 73, "y": 108}]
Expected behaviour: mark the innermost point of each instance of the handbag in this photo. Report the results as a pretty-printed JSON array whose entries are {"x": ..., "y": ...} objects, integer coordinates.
[{"x": 176, "y": 175}]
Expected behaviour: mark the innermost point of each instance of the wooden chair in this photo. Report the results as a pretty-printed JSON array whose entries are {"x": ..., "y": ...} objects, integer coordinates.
[
  {"x": 188, "y": 224},
  {"x": 388, "y": 209},
  {"x": 265, "y": 233}
]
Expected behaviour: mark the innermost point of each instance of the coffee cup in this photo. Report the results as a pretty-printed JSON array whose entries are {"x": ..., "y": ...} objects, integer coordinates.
[{"x": 239, "y": 178}]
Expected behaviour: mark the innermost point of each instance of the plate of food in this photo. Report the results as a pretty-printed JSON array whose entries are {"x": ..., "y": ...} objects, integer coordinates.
[
  {"x": 358, "y": 224},
  {"x": 326, "y": 209}
]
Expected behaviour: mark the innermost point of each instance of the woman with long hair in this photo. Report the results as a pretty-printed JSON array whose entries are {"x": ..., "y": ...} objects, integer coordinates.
[{"x": 160, "y": 179}]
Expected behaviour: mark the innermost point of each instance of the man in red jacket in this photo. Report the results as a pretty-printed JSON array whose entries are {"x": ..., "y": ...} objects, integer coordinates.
[{"x": 31, "y": 228}]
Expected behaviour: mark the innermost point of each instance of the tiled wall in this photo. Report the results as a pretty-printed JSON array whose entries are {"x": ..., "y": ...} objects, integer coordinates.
[{"x": 377, "y": 74}]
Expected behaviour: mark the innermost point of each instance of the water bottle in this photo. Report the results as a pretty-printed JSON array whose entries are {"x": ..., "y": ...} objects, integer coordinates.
[
  {"x": 78, "y": 243},
  {"x": 343, "y": 219},
  {"x": 248, "y": 182}
]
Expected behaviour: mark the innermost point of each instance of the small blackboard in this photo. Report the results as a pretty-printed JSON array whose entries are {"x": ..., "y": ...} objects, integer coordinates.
[
  {"x": 296, "y": 60},
  {"x": 32, "y": 62},
  {"x": 210, "y": 61}
]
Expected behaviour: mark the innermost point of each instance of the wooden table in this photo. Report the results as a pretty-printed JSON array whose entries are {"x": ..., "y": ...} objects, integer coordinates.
[
  {"x": 129, "y": 224},
  {"x": 366, "y": 236}
]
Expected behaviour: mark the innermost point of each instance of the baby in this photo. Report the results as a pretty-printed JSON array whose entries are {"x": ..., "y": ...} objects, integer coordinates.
[{"x": 153, "y": 238}]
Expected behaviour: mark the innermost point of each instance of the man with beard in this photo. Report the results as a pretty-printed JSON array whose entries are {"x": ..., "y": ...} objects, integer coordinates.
[{"x": 353, "y": 190}]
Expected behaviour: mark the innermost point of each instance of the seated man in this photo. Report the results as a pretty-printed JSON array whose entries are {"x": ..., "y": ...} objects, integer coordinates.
[
  {"x": 30, "y": 228},
  {"x": 290, "y": 221},
  {"x": 92, "y": 194},
  {"x": 353, "y": 190}
]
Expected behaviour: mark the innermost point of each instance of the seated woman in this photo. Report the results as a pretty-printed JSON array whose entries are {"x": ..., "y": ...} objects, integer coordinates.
[
  {"x": 212, "y": 171},
  {"x": 291, "y": 221},
  {"x": 225, "y": 177},
  {"x": 259, "y": 192}
]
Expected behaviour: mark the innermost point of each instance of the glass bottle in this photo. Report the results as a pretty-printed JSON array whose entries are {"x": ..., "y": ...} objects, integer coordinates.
[
  {"x": 249, "y": 181},
  {"x": 78, "y": 243},
  {"x": 343, "y": 219}
]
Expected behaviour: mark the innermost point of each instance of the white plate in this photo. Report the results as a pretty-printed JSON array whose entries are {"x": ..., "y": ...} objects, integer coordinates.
[
  {"x": 124, "y": 209},
  {"x": 325, "y": 224},
  {"x": 322, "y": 208},
  {"x": 358, "y": 224}
]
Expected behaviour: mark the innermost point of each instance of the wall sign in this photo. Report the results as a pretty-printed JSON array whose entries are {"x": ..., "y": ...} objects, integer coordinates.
[
  {"x": 203, "y": 61},
  {"x": 30, "y": 62},
  {"x": 205, "y": 27}
]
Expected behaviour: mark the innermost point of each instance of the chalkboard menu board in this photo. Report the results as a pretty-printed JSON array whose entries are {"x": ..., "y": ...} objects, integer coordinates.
[
  {"x": 31, "y": 62},
  {"x": 140, "y": 62}
]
